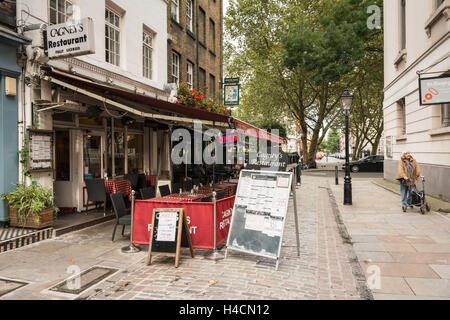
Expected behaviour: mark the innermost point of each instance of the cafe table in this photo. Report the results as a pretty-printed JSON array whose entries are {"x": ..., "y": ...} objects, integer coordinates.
[
  {"x": 116, "y": 186},
  {"x": 151, "y": 180}
]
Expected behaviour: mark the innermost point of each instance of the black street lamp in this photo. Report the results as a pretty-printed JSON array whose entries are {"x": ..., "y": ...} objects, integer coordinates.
[{"x": 347, "y": 100}]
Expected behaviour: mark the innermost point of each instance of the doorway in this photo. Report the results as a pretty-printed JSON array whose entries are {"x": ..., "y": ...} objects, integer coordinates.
[{"x": 63, "y": 165}]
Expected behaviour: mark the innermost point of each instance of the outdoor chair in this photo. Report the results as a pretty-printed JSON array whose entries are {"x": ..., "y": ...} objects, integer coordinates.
[
  {"x": 123, "y": 216},
  {"x": 176, "y": 187},
  {"x": 196, "y": 182},
  {"x": 164, "y": 190},
  {"x": 96, "y": 192},
  {"x": 133, "y": 178},
  {"x": 147, "y": 193},
  {"x": 221, "y": 195},
  {"x": 187, "y": 185},
  {"x": 206, "y": 199},
  {"x": 142, "y": 182}
]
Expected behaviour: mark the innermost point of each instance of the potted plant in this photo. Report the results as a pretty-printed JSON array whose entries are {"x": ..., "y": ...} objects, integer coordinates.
[{"x": 31, "y": 206}]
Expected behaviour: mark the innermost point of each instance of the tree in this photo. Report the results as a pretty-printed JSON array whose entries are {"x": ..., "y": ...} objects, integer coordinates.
[{"x": 295, "y": 58}]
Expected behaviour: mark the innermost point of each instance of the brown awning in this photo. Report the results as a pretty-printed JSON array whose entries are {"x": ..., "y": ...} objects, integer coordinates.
[{"x": 109, "y": 92}]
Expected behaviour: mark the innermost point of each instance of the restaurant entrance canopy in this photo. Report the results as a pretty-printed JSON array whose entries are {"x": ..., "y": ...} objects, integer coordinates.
[{"x": 150, "y": 107}]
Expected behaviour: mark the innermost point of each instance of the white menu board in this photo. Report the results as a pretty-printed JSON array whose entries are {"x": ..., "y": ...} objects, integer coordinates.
[
  {"x": 259, "y": 213},
  {"x": 167, "y": 226},
  {"x": 41, "y": 150}
]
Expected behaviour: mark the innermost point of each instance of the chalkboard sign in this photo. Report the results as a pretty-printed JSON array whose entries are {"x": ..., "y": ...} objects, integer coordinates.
[
  {"x": 41, "y": 150},
  {"x": 170, "y": 232},
  {"x": 259, "y": 213}
]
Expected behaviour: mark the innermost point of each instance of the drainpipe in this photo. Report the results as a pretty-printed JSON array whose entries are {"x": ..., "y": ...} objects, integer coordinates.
[{"x": 197, "y": 6}]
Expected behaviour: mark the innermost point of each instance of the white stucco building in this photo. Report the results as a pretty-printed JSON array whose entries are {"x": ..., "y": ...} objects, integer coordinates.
[
  {"x": 417, "y": 39},
  {"x": 130, "y": 54}
]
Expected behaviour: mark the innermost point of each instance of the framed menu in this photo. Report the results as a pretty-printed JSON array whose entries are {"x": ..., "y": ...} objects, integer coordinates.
[
  {"x": 259, "y": 213},
  {"x": 41, "y": 150}
]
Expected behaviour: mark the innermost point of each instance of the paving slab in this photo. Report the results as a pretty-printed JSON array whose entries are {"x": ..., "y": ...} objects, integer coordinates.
[
  {"x": 402, "y": 270},
  {"x": 421, "y": 257},
  {"x": 393, "y": 285},
  {"x": 430, "y": 287},
  {"x": 433, "y": 248},
  {"x": 442, "y": 270},
  {"x": 398, "y": 247}
]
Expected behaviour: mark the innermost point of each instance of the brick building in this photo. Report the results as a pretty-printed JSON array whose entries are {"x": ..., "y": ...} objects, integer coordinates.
[{"x": 195, "y": 49}]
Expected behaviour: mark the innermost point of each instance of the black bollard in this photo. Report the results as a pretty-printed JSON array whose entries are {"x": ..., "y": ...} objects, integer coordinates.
[{"x": 337, "y": 174}]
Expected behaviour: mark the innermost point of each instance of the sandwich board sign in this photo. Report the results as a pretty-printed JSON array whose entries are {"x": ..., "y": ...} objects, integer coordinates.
[
  {"x": 170, "y": 232},
  {"x": 259, "y": 213}
]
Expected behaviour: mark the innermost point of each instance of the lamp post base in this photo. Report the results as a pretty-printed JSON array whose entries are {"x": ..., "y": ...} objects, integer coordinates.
[
  {"x": 215, "y": 255},
  {"x": 131, "y": 249},
  {"x": 348, "y": 191}
]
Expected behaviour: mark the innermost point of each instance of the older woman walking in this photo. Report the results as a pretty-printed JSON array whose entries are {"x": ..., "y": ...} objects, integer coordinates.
[{"x": 408, "y": 173}]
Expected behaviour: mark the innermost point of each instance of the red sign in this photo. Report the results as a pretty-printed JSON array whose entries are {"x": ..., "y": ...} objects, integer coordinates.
[
  {"x": 199, "y": 218},
  {"x": 228, "y": 139}
]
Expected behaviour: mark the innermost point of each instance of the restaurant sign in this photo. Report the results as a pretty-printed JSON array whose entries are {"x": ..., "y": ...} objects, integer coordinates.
[
  {"x": 434, "y": 90},
  {"x": 70, "y": 39}
]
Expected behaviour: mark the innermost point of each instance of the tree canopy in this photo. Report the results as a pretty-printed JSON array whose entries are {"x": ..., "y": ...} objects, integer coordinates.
[{"x": 295, "y": 57}]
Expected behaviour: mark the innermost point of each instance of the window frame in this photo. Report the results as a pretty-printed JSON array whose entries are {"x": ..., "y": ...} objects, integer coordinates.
[
  {"x": 190, "y": 75},
  {"x": 176, "y": 75},
  {"x": 212, "y": 35},
  {"x": 202, "y": 26},
  {"x": 108, "y": 25},
  {"x": 146, "y": 47},
  {"x": 402, "y": 25},
  {"x": 190, "y": 15},
  {"x": 66, "y": 16},
  {"x": 175, "y": 14}
]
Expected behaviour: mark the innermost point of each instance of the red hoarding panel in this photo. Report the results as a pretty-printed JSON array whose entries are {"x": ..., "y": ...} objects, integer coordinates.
[{"x": 199, "y": 217}]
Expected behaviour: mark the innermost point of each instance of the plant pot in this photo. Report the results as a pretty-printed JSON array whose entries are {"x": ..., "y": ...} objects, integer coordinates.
[{"x": 45, "y": 219}]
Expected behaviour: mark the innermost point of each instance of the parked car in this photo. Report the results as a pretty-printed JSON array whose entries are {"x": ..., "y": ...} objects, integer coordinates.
[
  {"x": 312, "y": 165},
  {"x": 369, "y": 164}
]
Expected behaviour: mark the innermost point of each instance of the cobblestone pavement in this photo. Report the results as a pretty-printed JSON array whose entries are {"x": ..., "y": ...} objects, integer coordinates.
[{"x": 324, "y": 269}]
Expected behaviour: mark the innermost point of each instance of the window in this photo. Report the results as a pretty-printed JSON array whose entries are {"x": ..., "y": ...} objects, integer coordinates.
[
  {"x": 60, "y": 11},
  {"x": 190, "y": 74},
  {"x": 147, "y": 52},
  {"x": 212, "y": 85},
  {"x": 175, "y": 67},
  {"x": 119, "y": 153},
  {"x": 402, "y": 113},
  {"x": 403, "y": 24},
  {"x": 212, "y": 34},
  {"x": 202, "y": 78},
  {"x": 135, "y": 153},
  {"x": 175, "y": 10},
  {"x": 389, "y": 146},
  {"x": 445, "y": 115},
  {"x": 202, "y": 26},
  {"x": 112, "y": 37},
  {"x": 189, "y": 15}
]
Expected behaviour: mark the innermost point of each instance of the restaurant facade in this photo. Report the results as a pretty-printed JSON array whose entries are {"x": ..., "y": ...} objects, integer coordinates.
[{"x": 102, "y": 105}]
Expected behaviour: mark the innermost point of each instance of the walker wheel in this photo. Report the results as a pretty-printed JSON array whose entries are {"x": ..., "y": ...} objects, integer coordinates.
[
  {"x": 427, "y": 206},
  {"x": 422, "y": 210}
]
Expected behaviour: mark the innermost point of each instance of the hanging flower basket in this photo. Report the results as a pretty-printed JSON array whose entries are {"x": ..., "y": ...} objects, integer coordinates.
[{"x": 196, "y": 98}]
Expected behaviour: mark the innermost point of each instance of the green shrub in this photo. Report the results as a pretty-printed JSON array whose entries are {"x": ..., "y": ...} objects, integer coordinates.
[{"x": 30, "y": 200}]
